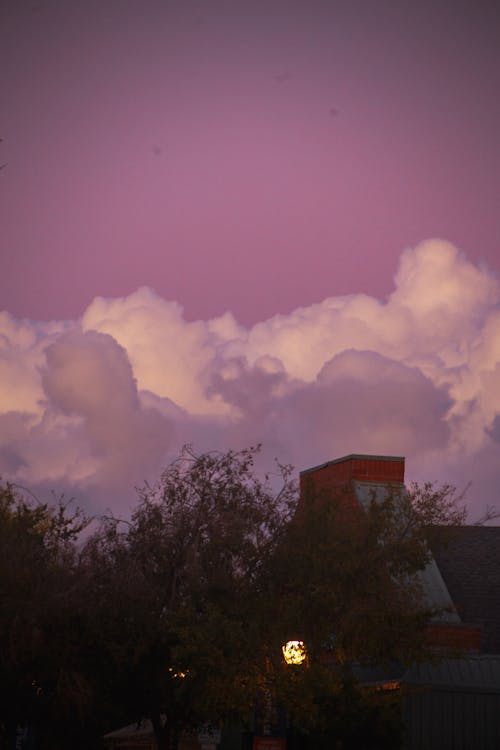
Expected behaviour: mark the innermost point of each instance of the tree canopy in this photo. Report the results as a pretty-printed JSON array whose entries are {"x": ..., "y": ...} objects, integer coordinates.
[
  {"x": 40, "y": 676},
  {"x": 352, "y": 582},
  {"x": 348, "y": 587},
  {"x": 178, "y": 614},
  {"x": 182, "y": 589}
]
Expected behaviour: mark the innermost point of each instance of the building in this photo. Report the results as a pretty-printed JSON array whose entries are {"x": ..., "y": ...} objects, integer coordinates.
[{"x": 453, "y": 701}]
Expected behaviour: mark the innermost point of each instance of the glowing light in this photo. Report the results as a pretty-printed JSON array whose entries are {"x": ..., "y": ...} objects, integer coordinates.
[
  {"x": 177, "y": 674},
  {"x": 294, "y": 652},
  {"x": 388, "y": 686}
]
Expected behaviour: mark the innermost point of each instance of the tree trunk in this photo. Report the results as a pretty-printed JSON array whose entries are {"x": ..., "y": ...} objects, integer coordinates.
[{"x": 166, "y": 734}]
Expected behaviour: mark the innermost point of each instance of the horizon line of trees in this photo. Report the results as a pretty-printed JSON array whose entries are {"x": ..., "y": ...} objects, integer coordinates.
[{"x": 178, "y": 615}]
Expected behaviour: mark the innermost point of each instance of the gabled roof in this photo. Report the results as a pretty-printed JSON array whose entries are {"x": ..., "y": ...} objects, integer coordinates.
[
  {"x": 469, "y": 563},
  {"x": 142, "y": 728},
  {"x": 465, "y": 673},
  {"x": 436, "y": 593}
]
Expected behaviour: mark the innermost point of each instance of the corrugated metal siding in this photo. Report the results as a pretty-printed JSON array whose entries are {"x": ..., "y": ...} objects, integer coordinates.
[
  {"x": 453, "y": 705},
  {"x": 470, "y": 672},
  {"x": 439, "y": 719}
]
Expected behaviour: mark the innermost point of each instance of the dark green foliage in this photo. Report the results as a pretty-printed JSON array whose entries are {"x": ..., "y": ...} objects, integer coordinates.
[
  {"x": 179, "y": 614},
  {"x": 349, "y": 582},
  {"x": 353, "y": 719},
  {"x": 41, "y": 681},
  {"x": 345, "y": 582},
  {"x": 180, "y": 590}
]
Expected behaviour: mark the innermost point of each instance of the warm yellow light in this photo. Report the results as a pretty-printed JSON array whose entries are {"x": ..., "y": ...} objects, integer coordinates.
[
  {"x": 388, "y": 686},
  {"x": 294, "y": 652},
  {"x": 177, "y": 674}
]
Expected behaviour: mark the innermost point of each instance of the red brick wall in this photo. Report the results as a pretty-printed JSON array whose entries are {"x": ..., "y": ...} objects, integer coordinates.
[
  {"x": 362, "y": 468},
  {"x": 319, "y": 486},
  {"x": 453, "y": 637},
  {"x": 335, "y": 476}
]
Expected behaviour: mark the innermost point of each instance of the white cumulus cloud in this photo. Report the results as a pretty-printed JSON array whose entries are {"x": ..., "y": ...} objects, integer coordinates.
[{"x": 97, "y": 405}]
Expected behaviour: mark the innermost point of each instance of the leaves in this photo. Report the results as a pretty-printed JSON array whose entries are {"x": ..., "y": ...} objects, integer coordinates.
[
  {"x": 180, "y": 613},
  {"x": 41, "y": 672},
  {"x": 184, "y": 586},
  {"x": 353, "y": 574}
]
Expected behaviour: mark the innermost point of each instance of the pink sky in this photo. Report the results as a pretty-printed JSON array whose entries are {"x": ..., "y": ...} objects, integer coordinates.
[
  {"x": 260, "y": 158},
  {"x": 243, "y": 156}
]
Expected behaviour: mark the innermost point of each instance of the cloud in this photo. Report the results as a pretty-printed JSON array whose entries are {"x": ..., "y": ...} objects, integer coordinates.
[
  {"x": 494, "y": 429},
  {"x": 377, "y": 405},
  {"x": 170, "y": 357},
  {"x": 98, "y": 405},
  {"x": 94, "y": 431}
]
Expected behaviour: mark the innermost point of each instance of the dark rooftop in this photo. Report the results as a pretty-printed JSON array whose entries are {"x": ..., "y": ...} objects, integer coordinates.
[{"x": 469, "y": 563}]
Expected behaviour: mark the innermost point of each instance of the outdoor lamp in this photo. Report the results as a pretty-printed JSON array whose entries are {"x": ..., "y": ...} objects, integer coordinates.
[{"x": 294, "y": 652}]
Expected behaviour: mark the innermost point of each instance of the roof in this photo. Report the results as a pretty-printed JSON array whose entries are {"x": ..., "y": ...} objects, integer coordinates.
[
  {"x": 138, "y": 729},
  {"x": 469, "y": 563},
  {"x": 435, "y": 590},
  {"x": 481, "y": 673},
  {"x": 478, "y": 672}
]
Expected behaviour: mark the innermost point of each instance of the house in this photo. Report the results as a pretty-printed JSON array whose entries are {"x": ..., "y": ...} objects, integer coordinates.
[
  {"x": 451, "y": 702},
  {"x": 140, "y": 736},
  {"x": 470, "y": 564}
]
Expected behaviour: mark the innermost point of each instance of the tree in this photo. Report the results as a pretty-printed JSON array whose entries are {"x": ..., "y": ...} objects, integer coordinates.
[
  {"x": 349, "y": 587},
  {"x": 192, "y": 599},
  {"x": 354, "y": 578},
  {"x": 179, "y": 591},
  {"x": 38, "y": 676}
]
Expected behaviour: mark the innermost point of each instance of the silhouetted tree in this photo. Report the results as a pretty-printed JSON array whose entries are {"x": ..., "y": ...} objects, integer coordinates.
[
  {"x": 179, "y": 590},
  {"x": 349, "y": 586},
  {"x": 194, "y": 597},
  {"x": 39, "y": 673},
  {"x": 179, "y": 614}
]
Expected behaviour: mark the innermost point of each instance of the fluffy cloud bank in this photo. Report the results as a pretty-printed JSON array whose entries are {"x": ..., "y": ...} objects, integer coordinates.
[{"x": 98, "y": 405}]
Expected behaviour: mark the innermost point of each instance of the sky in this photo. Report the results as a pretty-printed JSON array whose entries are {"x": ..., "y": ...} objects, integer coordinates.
[{"x": 229, "y": 223}]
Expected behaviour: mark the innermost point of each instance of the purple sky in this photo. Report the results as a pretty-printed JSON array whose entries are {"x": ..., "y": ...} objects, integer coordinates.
[
  {"x": 243, "y": 156},
  {"x": 258, "y": 158}
]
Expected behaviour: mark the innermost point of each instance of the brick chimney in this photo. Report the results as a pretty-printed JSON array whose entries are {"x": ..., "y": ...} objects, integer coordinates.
[
  {"x": 358, "y": 467},
  {"x": 348, "y": 480},
  {"x": 336, "y": 477}
]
